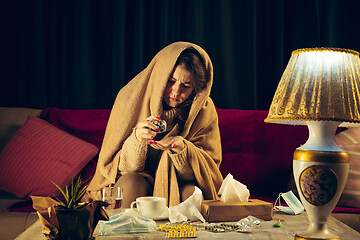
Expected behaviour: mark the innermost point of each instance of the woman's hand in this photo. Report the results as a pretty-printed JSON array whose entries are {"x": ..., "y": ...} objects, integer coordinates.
[
  {"x": 174, "y": 143},
  {"x": 146, "y": 130}
]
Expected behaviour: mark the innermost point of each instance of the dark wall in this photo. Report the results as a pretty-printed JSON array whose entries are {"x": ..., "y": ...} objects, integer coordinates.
[{"x": 78, "y": 54}]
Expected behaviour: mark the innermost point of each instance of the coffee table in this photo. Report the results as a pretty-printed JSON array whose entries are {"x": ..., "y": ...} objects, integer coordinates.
[{"x": 290, "y": 226}]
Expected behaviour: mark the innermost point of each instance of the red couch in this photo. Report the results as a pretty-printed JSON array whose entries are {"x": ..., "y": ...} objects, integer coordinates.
[{"x": 257, "y": 154}]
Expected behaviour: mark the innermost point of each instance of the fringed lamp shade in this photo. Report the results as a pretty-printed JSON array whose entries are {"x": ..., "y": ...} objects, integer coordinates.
[{"x": 318, "y": 84}]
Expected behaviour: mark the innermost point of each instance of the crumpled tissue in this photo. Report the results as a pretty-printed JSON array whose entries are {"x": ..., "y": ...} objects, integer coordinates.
[
  {"x": 128, "y": 221},
  {"x": 232, "y": 190},
  {"x": 188, "y": 210}
]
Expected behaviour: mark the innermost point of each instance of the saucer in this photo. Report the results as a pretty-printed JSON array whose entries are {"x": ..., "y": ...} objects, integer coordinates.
[{"x": 163, "y": 216}]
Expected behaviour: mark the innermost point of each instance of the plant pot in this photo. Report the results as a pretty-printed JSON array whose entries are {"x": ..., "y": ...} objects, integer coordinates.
[{"x": 79, "y": 224}]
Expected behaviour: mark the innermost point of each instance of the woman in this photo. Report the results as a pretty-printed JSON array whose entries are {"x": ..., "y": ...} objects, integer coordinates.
[{"x": 174, "y": 87}]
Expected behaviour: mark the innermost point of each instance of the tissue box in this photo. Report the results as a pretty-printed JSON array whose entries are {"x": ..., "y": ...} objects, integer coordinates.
[{"x": 217, "y": 211}]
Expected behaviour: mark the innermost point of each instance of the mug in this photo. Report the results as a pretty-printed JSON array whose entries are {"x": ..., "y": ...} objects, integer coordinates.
[{"x": 151, "y": 207}]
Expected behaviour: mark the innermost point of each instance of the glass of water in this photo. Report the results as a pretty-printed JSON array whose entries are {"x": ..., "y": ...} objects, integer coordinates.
[{"x": 112, "y": 196}]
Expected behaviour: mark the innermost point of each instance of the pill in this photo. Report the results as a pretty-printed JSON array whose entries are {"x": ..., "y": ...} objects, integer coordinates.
[{"x": 277, "y": 224}]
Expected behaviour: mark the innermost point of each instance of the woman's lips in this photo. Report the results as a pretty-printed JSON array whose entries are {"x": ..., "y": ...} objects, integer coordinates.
[{"x": 174, "y": 99}]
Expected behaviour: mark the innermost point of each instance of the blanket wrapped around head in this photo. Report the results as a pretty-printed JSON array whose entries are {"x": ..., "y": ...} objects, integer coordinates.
[{"x": 143, "y": 97}]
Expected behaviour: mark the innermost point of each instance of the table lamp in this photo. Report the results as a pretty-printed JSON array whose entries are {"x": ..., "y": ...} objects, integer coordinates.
[{"x": 320, "y": 88}]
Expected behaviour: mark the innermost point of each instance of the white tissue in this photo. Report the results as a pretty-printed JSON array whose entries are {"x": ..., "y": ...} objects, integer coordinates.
[
  {"x": 233, "y": 191},
  {"x": 189, "y": 209}
]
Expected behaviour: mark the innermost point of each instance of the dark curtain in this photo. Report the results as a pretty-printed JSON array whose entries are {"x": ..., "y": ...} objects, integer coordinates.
[{"x": 78, "y": 54}]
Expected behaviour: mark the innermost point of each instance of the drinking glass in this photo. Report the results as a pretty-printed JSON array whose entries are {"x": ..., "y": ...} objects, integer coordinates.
[{"x": 113, "y": 196}]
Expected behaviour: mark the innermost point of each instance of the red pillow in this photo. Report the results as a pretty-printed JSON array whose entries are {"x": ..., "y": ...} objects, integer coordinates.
[{"x": 39, "y": 152}]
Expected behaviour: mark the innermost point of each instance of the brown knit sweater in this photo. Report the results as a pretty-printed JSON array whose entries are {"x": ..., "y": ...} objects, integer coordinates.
[{"x": 134, "y": 154}]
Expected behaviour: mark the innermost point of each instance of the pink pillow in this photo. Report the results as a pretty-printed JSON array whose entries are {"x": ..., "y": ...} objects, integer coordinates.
[
  {"x": 349, "y": 140},
  {"x": 39, "y": 152}
]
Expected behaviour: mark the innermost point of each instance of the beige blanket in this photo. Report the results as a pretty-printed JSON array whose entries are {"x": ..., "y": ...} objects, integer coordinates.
[{"x": 141, "y": 98}]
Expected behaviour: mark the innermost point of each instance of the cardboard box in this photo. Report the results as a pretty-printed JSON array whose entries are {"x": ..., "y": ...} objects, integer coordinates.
[{"x": 217, "y": 211}]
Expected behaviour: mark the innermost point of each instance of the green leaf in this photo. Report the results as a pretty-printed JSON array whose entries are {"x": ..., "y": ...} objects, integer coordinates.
[
  {"x": 81, "y": 194},
  {"x": 67, "y": 197},
  {"x": 72, "y": 187},
  {"x": 70, "y": 204},
  {"x": 72, "y": 193},
  {"x": 62, "y": 202},
  {"x": 78, "y": 183},
  {"x": 61, "y": 190},
  {"x": 84, "y": 184}
]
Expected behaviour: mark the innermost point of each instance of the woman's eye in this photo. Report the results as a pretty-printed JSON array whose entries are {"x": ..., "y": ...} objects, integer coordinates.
[{"x": 186, "y": 85}]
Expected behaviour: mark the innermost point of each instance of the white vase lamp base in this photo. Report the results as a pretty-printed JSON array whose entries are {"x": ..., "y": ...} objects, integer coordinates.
[{"x": 320, "y": 170}]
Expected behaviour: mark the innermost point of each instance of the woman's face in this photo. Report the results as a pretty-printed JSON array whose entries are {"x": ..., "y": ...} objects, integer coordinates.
[{"x": 179, "y": 87}]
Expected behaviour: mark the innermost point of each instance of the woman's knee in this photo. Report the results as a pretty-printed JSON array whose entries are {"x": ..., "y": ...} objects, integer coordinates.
[
  {"x": 133, "y": 185},
  {"x": 133, "y": 181},
  {"x": 186, "y": 191}
]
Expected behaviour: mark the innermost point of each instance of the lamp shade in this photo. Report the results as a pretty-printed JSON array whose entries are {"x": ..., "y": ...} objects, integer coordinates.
[{"x": 318, "y": 84}]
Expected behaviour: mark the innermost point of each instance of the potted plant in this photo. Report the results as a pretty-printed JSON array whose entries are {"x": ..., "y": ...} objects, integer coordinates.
[
  {"x": 77, "y": 220},
  {"x": 72, "y": 194}
]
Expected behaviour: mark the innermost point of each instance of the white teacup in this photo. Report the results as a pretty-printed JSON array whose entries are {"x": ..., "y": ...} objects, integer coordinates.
[{"x": 151, "y": 207}]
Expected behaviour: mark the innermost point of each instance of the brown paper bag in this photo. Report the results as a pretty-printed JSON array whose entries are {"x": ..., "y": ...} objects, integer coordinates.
[{"x": 47, "y": 215}]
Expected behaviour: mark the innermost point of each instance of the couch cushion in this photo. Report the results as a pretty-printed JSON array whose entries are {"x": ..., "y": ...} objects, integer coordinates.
[
  {"x": 256, "y": 153},
  {"x": 349, "y": 140},
  {"x": 87, "y": 124},
  {"x": 39, "y": 152},
  {"x": 11, "y": 119}
]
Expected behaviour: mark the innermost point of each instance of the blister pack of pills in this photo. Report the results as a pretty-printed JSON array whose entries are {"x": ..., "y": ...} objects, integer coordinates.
[
  {"x": 178, "y": 230},
  {"x": 244, "y": 225}
]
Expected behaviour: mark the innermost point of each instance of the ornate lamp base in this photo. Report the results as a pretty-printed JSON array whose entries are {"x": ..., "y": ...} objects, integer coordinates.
[{"x": 320, "y": 172}]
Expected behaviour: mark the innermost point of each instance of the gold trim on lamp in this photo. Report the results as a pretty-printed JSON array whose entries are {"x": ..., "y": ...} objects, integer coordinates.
[
  {"x": 326, "y": 49},
  {"x": 321, "y": 156}
]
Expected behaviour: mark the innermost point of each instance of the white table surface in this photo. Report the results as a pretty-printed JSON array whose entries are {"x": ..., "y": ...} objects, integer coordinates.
[{"x": 291, "y": 225}]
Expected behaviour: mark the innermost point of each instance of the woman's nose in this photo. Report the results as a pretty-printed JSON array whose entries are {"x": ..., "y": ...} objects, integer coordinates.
[{"x": 176, "y": 89}]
